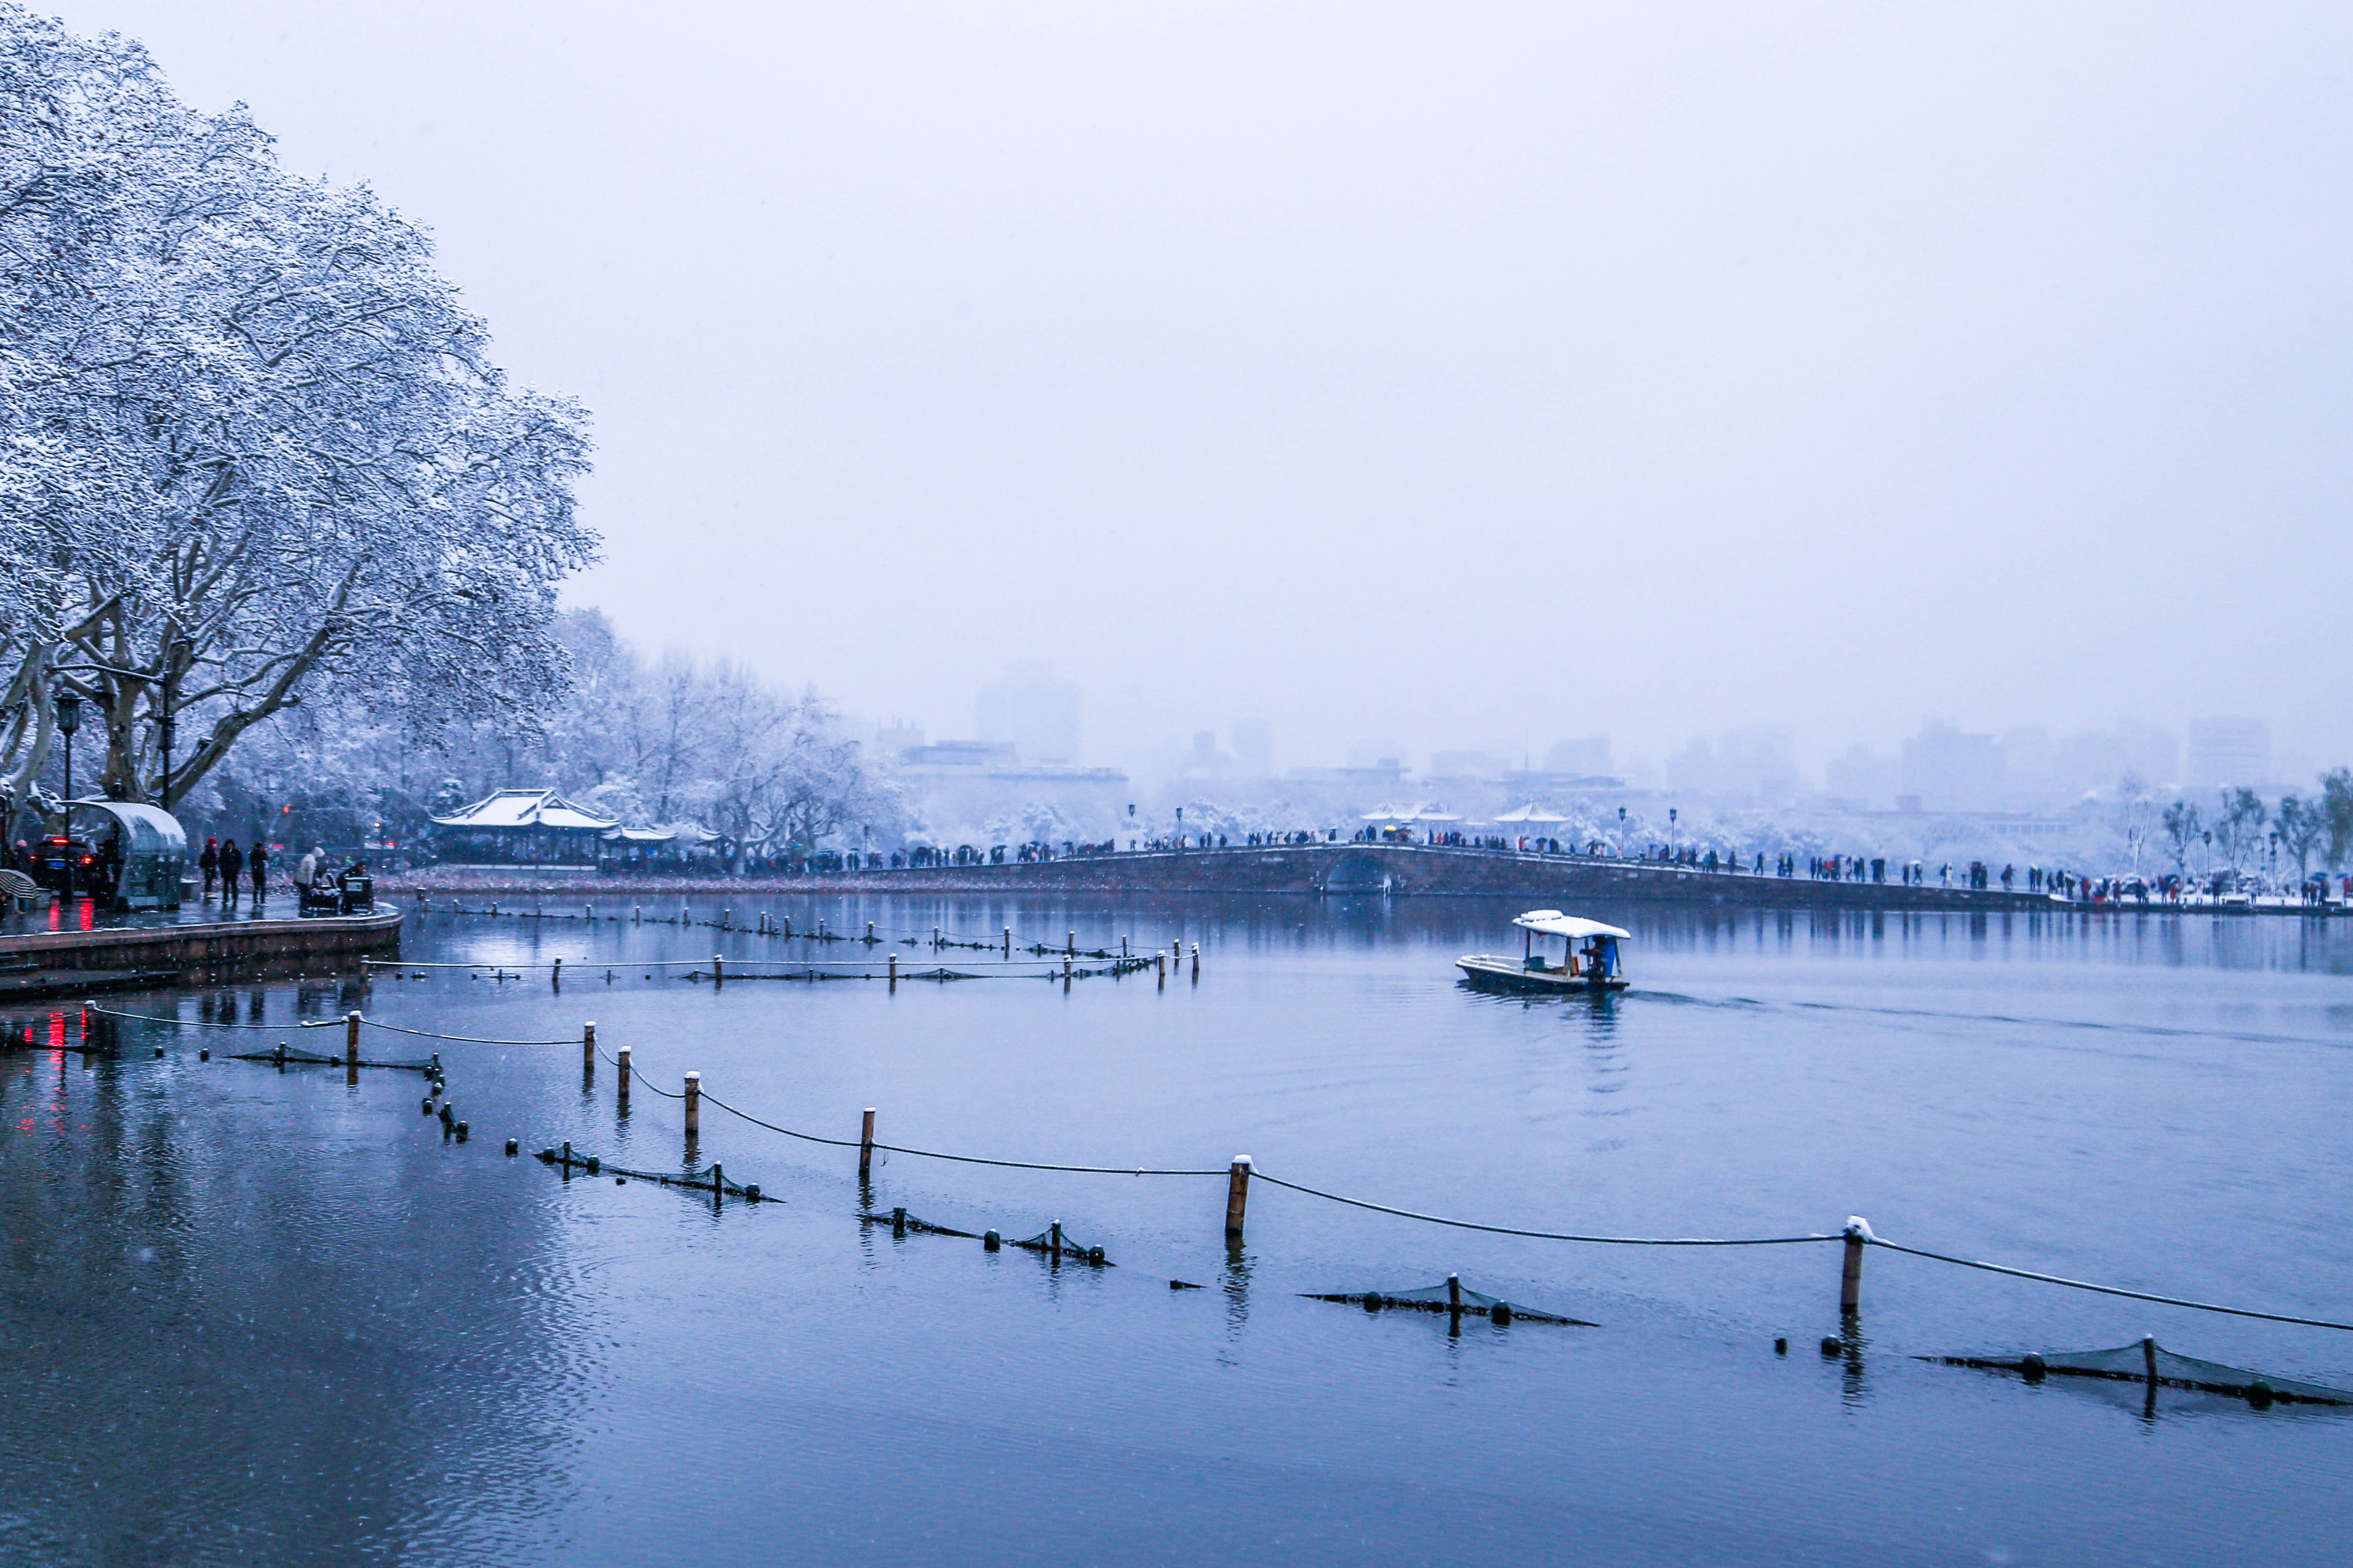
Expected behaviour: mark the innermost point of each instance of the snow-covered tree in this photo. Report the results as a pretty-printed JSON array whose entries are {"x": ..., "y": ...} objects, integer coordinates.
[{"x": 251, "y": 447}]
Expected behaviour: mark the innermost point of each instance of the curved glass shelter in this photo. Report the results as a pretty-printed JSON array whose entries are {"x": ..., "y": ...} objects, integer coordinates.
[{"x": 153, "y": 849}]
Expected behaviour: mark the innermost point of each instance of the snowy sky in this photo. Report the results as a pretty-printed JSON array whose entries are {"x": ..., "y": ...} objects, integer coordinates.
[{"x": 1473, "y": 375}]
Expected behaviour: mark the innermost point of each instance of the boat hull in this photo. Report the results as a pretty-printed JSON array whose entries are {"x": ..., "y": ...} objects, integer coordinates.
[{"x": 1491, "y": 974}]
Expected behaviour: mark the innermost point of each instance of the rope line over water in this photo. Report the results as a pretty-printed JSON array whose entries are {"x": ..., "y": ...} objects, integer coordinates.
[
  {"x": 1259, "y": 1175},
  {"x": 2110, "y": 1290},
  {"x": 710, "y": 1099}
]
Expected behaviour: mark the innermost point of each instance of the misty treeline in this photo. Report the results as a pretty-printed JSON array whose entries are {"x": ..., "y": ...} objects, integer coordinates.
[
  {"x": 254, "y": 456},
  {"x": 669, "y": 741}
]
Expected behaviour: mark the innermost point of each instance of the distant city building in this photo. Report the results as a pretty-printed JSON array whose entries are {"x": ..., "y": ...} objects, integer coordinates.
[
  {"x": 1476, "y": 765},
  {"x": 1386, "y": 757},
  {"x": 1752, "y": 764},
  {"x": 1862, "y": 777},
  {"x": 1586, "y": 756},
  {"x": 897, "y": 738},
  {"x": 2101, "y": 758},
  {"x": 1253, "y": 741},
  {"x": 1952, "y": 771},
  {"x": 2228, "y": 752},
  {"x": 1033, "y": 711}
]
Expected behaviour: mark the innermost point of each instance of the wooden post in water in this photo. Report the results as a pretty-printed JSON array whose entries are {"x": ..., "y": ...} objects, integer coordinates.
[
  {"x": 894, "y": 974},
  {"x": 2149, "y": 1357},
  {"x": 1009, "y": 944},
  {"x": 693, "y": 1106},
  {"x": 718, "y": 971},
  {"x": 588, "y": 1050},
  {"x": 1236, "y": 1196},
  {"x": 1196, "y": 961},
  {"x": 869, "y": 933},
  {"x": 555, "y": 975},
  {"x": 1851, "y": 1274},
  {"x": 637, "y": 914},
  {"x": 621, "y": 1060},
  {"x": 935, "y": 936},
  {"x": 788, "y": 928},
  {"x": 866, "y": 1147},
  {"x": 1071, "y": 942},
  {"x": 1160, "y": 962},
  {"x": 352, "y": 1038}
]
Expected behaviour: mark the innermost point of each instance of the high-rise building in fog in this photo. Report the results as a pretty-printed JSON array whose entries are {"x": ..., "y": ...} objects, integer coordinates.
[
  {"x": 2228, "y": 752},
  {"x": 1034, "y": 710},
  {"x": 1586, "y": 757},
  {"x": 1949, "y": 769},
  {"x": 1253, "y": 741}
]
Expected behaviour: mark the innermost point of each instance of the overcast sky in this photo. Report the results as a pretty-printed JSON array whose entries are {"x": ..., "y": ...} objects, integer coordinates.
[{"x": 1472, "y": 376}]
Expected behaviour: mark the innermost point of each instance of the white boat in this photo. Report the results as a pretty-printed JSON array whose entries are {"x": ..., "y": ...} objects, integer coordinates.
[{"x": 1588, "y": 958}]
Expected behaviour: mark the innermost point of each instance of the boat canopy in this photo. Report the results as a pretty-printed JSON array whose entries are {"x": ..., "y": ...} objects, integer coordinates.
[{"x": 1552, "y": 922}]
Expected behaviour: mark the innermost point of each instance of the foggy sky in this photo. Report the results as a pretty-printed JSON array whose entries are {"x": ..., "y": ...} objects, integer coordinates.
[{"x": 1473, "y": 375}]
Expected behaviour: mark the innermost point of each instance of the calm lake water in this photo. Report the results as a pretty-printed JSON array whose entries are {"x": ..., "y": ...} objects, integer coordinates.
[{"x": 265, "y": 1317}]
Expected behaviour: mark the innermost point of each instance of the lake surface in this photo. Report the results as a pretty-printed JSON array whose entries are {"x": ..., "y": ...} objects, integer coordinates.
[{"x": 257, "y": 1316}]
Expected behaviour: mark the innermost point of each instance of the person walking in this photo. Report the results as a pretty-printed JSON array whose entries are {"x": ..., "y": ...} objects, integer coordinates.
[
  {"x": 257, "y": 866},
  {"x": 232, "y": 864},
  {"x": 209, "y": 863}
]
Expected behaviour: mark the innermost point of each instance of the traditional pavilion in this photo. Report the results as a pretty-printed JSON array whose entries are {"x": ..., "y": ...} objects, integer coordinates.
[{"x": 522, "y": 827}]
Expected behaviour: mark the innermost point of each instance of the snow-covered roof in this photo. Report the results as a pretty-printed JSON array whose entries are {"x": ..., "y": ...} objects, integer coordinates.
[
  {"x": 1530, "y": 813},
  {"x": 638, "y": 836},
  {"x": 527, "y": 808},
  {"x": 1552, "y": 922}
]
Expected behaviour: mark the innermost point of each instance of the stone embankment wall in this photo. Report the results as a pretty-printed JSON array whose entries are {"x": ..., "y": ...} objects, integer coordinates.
[
  {"x": 198, "y": 954},
  {"x": 1308, "y": 870}
]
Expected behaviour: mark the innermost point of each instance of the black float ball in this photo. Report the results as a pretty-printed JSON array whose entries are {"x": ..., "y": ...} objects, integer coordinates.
[
  {"x": 1501, "y": 1312},
  {"x": 1781, "y": 1347},
  {"x": 1832, "y": 1348},
  {"x": 2260, "y": 1395},
  {"x": 2034, "y": 1368},
  {"x": 1373, "y": 1302},
  {"x": 514, "y": 1147}
]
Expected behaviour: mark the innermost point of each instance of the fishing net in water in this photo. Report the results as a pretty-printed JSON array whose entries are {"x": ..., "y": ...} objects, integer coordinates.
[
  {"x": 2147, "y": 1362},
  {"x": 900, "y": 1222},
  {"x": 1450, "y": 1296},
  {"x": 1052, "y": 1242},
  {"x": 286, "y": 1056},
  {"x": 709, "y": 1179}
]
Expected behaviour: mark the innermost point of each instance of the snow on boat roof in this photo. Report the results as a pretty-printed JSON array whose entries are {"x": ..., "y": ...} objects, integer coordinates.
[{"x": 1552, "y": 922}]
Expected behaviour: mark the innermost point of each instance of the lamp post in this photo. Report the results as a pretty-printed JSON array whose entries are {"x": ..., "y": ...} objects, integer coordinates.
[
  {"x": 1670, "y": 833},
  {"x": 68, "y": 707}
]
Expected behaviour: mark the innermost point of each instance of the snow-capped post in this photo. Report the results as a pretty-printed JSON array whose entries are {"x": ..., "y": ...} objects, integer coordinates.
[
  {"x": 895, "y": 973},
  {"x": 352, "y": 1038},
  {"x": 1858, "y": 1232},
  {"x": 1196, "y": 961},
  {"x": 869, "y": 933},
  {"x": 1236, "y": 1196},
  {"x": 693, "y": 1106},
  {"x": 621, "y": 1063},
  {"x": 1009, "y": 944},
  {"x": 2149, "y": 1359},
  {"x": 788, "y": 928},
  {"x": 1071, "y": 942},
  {"x": 1160, "y": 962},
  {"x": 637, "y": 914},
  {"x": 588, "y": 1050},
  {"x": 866, "y": 1147},
  {"x": 588, "y": 911},
  {"x": 935, "y": 936},
  {"x": 718, "y": 971},
  {"x": 555, "y": 975}
]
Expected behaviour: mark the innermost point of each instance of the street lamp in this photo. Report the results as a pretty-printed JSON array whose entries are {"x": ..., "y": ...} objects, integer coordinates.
[
  {"x": 1670, "y": 833},
  {"x": 68, "y": 707}
]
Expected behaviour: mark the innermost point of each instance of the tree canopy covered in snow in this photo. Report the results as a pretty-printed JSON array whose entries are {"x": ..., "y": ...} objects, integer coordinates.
[{"x": 252, "y": 448}]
